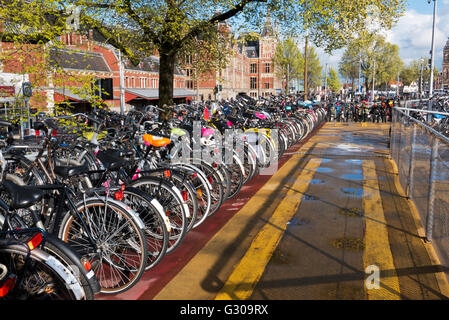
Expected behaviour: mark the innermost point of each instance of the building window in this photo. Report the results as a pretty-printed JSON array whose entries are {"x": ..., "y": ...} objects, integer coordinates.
[
  {"x": 190, "y": 84},
  {"x": 253, "y": 68},
  {"x": 253, "y": 94},
  {"x": 253, "y": 83},
  {"x": 266, "y": 85},
  {"x": 267, "y": 68}
]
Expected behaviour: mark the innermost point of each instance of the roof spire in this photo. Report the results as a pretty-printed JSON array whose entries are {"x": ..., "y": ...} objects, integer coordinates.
[{"x": 268, "y": 26}]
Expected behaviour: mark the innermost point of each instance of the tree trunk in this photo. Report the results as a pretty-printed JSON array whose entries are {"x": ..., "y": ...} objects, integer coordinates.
[{"x": 166, "y": 75}]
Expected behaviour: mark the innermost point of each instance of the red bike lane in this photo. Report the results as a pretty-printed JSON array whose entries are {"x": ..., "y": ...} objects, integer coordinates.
[{"x": 155, "y": 279}]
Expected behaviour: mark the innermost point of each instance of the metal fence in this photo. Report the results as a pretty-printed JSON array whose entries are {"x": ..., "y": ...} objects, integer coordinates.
[{"x": 422, "y": 158}]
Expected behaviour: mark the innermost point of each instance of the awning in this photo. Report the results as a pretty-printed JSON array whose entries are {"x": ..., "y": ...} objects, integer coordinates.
[
  {"x": 153, "y": 94},
  {"x": 66, "y": 93}
]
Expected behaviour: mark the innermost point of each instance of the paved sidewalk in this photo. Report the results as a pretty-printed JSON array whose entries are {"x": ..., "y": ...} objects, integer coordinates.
[{"x": 332, "y": 223}]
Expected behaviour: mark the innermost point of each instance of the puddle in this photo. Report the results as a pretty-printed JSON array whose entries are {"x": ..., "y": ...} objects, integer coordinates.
[
  {"x": 317, "y": 181},
  {"x": 352, "y": 176},
  {"x": 351, "y": 244},
  {"x": 324, "y": 169},
  {"x": 353, "y": 192},
  {"x": 348, "y": 147},
  {"x": 354, "y": 161},
  {"x": 309, "y": 197},
  {"x": 297, "y": 222},
  {"x": 351, "y": 212}
]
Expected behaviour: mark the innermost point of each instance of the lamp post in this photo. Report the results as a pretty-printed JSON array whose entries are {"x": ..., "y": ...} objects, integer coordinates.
[
  {"x": 432, "y": 56},
  {"x": 432, "y": 50},
  {"x": 325, "y": 84},
  {"x": 374, "y": 80},
  {"x": 420, "y": 78}
]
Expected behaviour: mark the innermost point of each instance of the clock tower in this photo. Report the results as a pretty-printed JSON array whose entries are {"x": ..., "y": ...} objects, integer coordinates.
[{"x": 445, "y": 72}]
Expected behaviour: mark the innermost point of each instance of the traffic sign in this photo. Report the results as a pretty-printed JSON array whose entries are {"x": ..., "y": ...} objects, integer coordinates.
[{"x": 27, "y": 89}]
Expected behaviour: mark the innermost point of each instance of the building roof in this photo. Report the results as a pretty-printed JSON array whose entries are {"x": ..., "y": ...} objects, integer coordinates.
[
  {"x": 252, "y": 52},
  {"x": 74, "y": 96},
  {"x": 267, "y": 29},
  {"x": 149, "y": 64},
  {"x": 78, "y": 60}
]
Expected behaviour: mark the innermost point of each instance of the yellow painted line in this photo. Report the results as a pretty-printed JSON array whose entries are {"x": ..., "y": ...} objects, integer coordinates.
[
  {"x": 443, "y": 283},
  {"x": 188, "y": 282},
  {"x": 377, "y": 246},
  {"x": 248, "y": 271}
]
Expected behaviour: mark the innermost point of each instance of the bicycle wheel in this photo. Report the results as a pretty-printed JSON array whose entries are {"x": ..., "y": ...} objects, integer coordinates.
[
  {"x": 41, "y": 276},
  {"x": 217, "y": 181},
  {"x": 121, "y": 253},
  {"x": 156, "y": 223},
  {"x": 202, "y": 191},
  {"x": 171, "y": 200},
  {"x": 72, "y": 261},
  {"x": 182, "y": 181},
  {"x": 55, "y": 247},
  {"x": 237, "y": 171}
]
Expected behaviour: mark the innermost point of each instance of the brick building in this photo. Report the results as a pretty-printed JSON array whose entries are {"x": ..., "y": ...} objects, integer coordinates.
[
  {"x": 442, "y": 82},
  {"x": 84, "y": 54},
  {"x": 250, "y": 69}
]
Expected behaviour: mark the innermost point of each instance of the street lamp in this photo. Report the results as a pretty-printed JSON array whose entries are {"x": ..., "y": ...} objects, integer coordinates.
[
  {"x": 325, "y": 84},
  {"x": 374, "y": 75},
  {"x": 420, "y": 77},
  {"x": 432, "y": 54}
]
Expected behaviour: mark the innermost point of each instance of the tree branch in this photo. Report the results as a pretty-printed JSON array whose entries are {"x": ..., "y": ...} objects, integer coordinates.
[
  {"x": 195, "y": 31},
  {"x": 146, "y": 28}
]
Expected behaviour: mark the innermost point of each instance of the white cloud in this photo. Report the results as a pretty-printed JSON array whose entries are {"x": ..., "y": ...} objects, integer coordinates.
[{"x": 413, "y": 34}]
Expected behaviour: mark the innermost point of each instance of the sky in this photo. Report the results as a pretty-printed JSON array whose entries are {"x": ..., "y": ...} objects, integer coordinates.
[{"x": 412, "y": 33}]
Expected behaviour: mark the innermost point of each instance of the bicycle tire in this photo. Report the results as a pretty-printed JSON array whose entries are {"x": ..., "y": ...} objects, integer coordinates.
[
  {"x": 44, "y": 279},
  {"x": 124, "y": 276}
]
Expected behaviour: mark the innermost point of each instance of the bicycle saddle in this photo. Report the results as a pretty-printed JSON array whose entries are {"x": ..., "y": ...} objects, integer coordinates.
[
  {"x": 155, "y": 141},
  {"x": 111, "y": 159},
  {"x": 67, "y": 172},
  {"x": 22, "y": 196}
]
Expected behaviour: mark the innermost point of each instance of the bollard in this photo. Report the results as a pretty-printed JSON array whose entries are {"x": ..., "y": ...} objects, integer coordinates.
[
  {"x": 410, "y": 179},
  {"x": 431, "y": 191}
]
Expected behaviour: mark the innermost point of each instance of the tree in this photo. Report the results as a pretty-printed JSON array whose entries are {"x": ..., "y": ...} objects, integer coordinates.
[
  {"x": 314, "y": 69},
  {"x": 375, "y": 56},
  {"x": 412, "y": 72},
  {"x": 349, "y": 65},
  {"x": 142, "y": 27},
  {"x": 288, "y": 61},
  {"x": 333, "y": 81}
]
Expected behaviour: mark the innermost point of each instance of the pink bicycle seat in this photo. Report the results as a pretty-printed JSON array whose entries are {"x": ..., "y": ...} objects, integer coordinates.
[
  {"x": 261, "y": 116},
  {"x": 207, "y": 132}
]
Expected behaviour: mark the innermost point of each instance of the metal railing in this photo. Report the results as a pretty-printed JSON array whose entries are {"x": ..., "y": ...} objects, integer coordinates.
[{"x": 422, "y": 157}]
